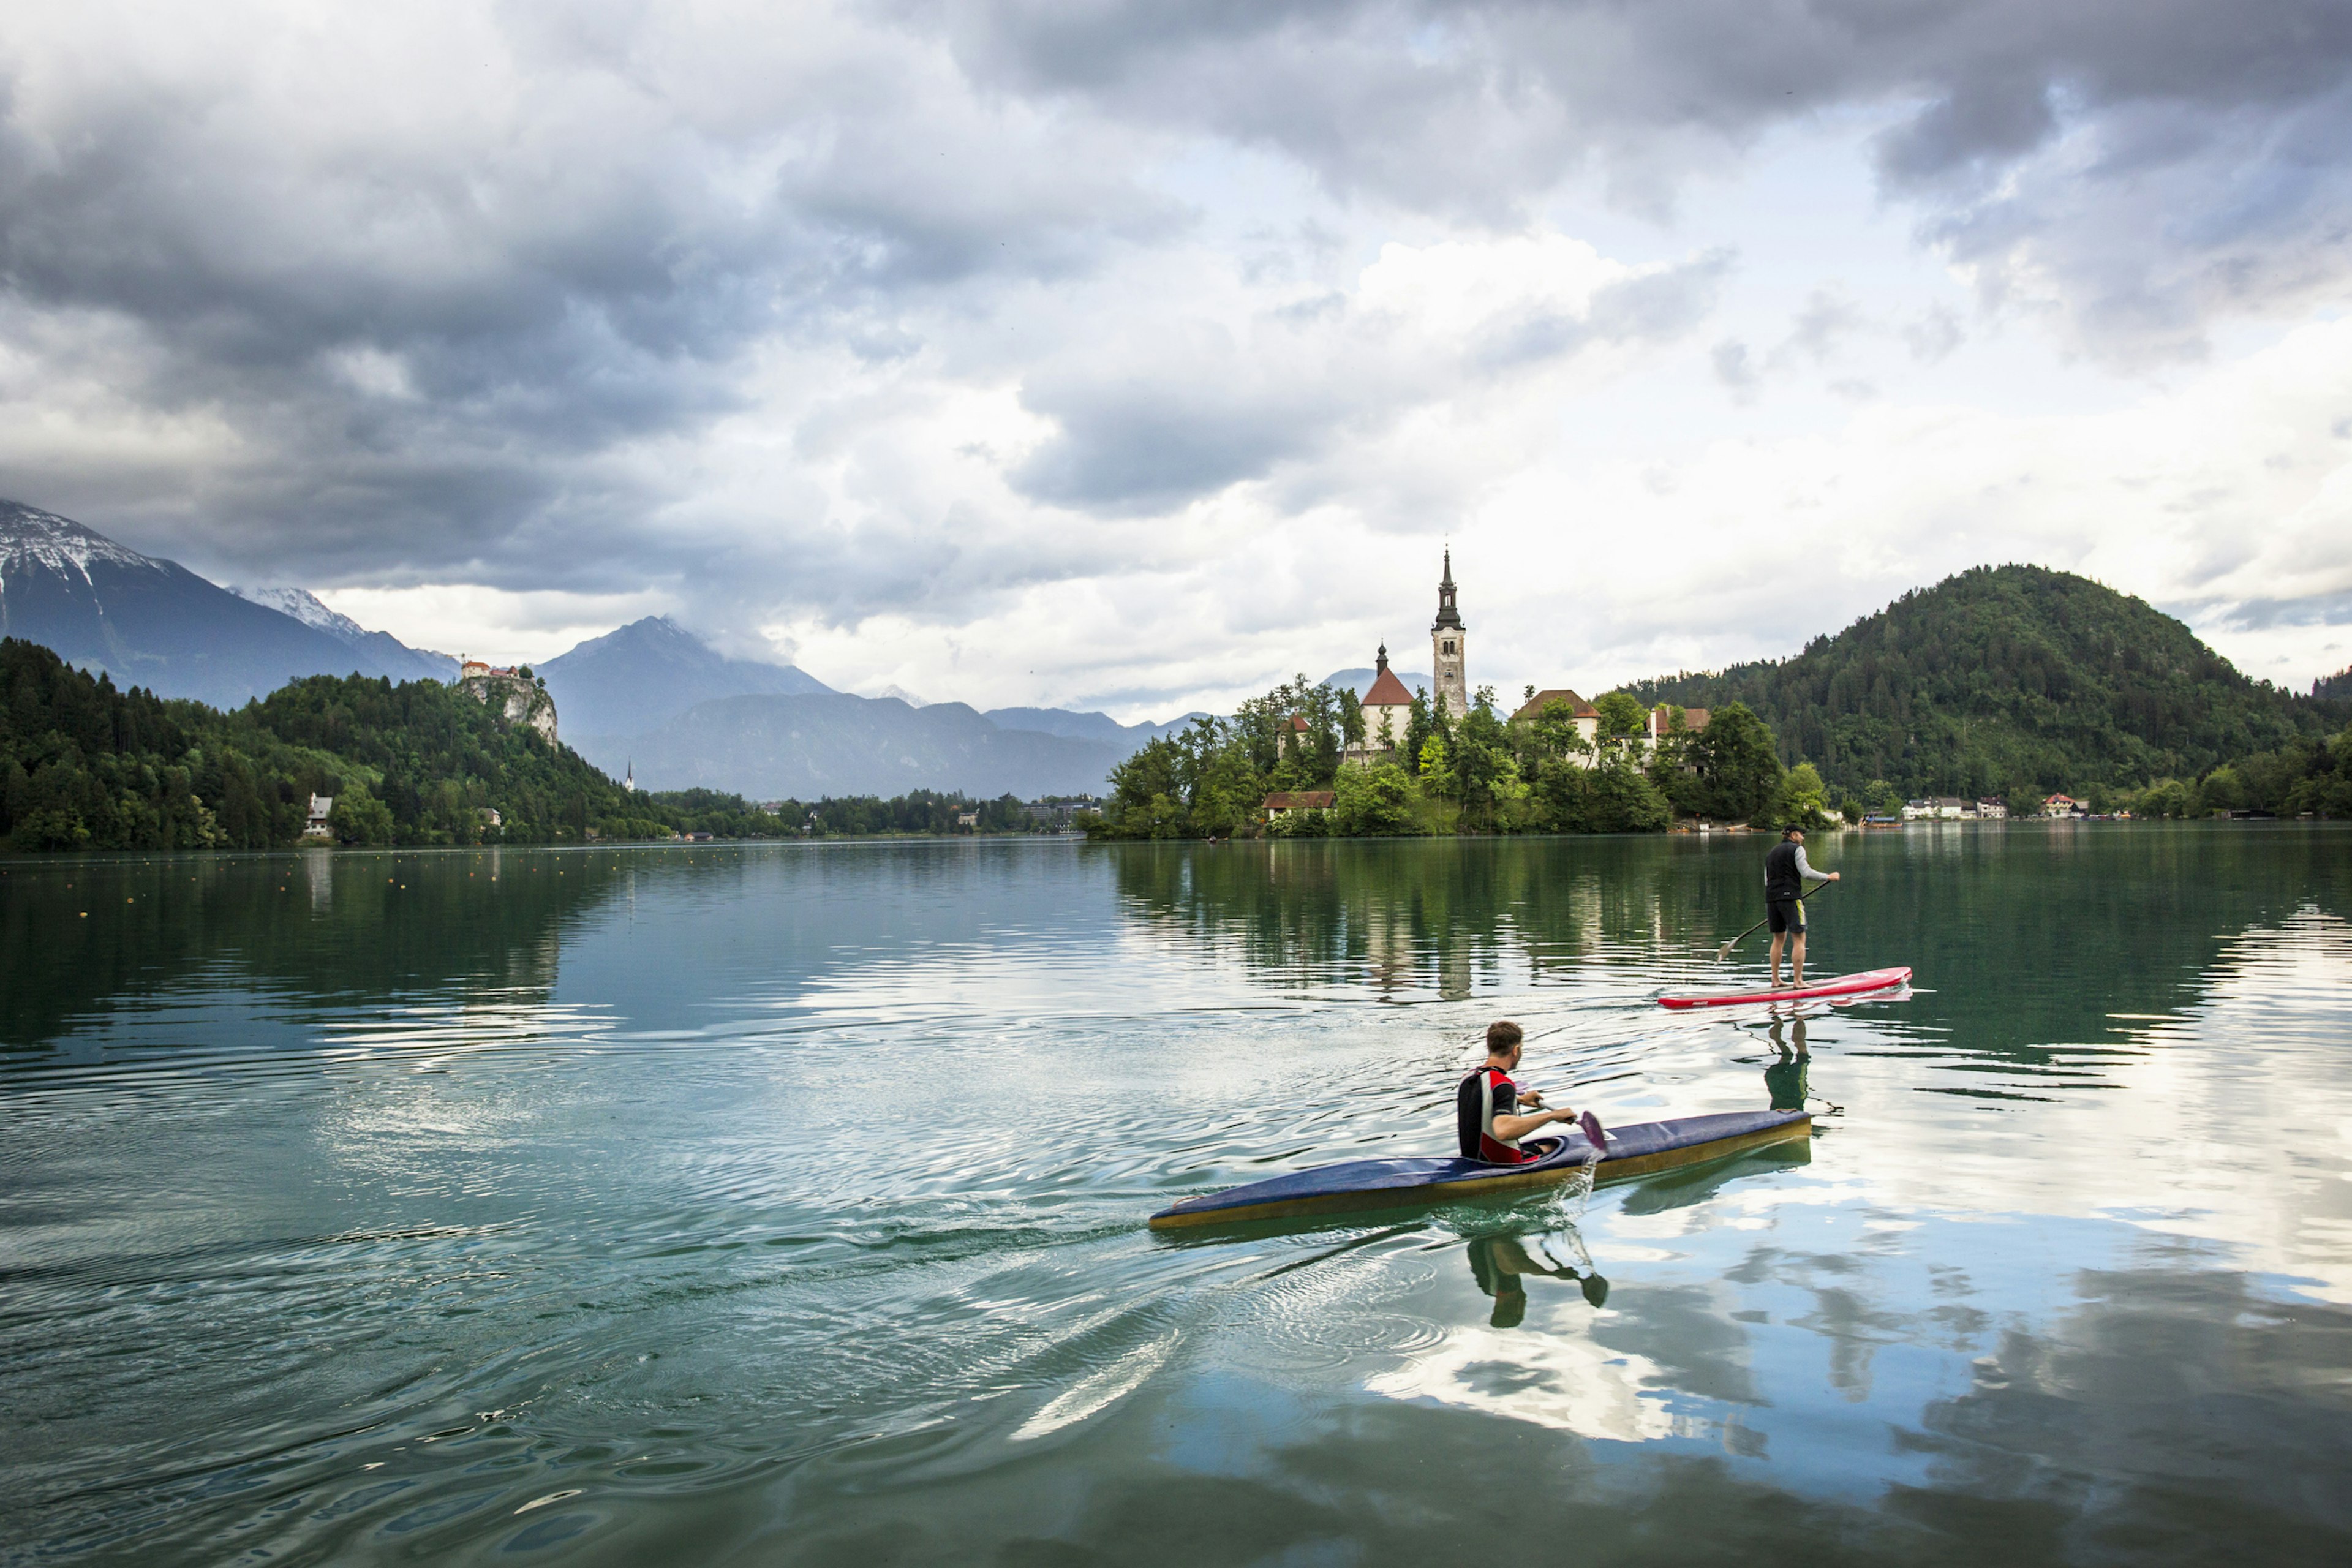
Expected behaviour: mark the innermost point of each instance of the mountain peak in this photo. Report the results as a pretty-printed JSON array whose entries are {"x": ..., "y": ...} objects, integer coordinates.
[
  {"x": 31, "y": 538},
  {"x": 305, "y": 607}
]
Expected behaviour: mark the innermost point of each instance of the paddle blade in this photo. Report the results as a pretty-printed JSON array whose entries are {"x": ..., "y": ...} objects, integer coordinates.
[{"x": 1592, "y": 1125}]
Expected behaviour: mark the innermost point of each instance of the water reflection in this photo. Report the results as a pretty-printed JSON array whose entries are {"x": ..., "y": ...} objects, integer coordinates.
[
  {"x": 1499, "y": 1262},
  {"x": 1786, "y": 1084},
  {"x": 559, "y": 1219}
]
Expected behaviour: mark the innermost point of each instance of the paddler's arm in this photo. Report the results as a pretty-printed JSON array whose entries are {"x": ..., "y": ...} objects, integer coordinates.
[
  {"x": 1516, "y": 1126},
  {"x": 1805, "y": 873}
]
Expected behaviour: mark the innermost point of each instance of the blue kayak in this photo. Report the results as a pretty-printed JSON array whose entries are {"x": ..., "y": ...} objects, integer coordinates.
[{"x": 1641, "y": 1149}]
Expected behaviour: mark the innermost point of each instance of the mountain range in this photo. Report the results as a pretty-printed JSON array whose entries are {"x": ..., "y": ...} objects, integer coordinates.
[
  {"x": 155, "y": 624},
  {"x": 651, "y": 694}
]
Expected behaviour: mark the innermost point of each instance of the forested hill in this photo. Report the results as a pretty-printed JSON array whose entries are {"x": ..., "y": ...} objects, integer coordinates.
[{"x": 2009, "y": 681}]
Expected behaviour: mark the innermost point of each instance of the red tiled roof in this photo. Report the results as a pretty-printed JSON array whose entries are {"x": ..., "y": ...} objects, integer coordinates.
[
  {"x": 1297, "y": 723},
  {"x": 1542, "y": 700},
  {"x": 1302, "y": 799},
  {"x": 1388, "y": 691}
]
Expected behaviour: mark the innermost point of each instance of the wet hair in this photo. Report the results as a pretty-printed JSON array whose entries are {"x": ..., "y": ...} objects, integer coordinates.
[{"x": 1502, "y": 1035}]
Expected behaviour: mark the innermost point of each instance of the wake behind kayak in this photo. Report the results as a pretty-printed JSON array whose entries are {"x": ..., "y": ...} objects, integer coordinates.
[
  {"x": 1641, "y": 1149},
  {"x": 1860, "y": 984}
]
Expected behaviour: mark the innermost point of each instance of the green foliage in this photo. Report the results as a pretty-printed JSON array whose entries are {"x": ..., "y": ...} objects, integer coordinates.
[
  {"x": 1734, "y": 769},
  {"x": 1373, "y": 802},
  {"x": 1419, "y": 726},
  {"x": 2013, "y": 680},
  {"x": 2304, "y": 777},
  {"x": 1623, "y": 715},
  {"x": 1803, "y": 801},
  {"x": 83, "y": 766},
  {"x": 1610, "y": 796}
]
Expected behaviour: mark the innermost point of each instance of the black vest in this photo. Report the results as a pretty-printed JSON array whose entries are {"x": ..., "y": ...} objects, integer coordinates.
[{"x": 1780, "y": 878}]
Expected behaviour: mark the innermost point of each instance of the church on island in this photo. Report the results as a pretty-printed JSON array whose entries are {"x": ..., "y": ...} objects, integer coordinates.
[{"x": 1388, "y": 706}]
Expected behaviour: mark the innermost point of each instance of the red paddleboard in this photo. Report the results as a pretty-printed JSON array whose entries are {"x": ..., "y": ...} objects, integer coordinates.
[{"x": 1842, "y": 985}]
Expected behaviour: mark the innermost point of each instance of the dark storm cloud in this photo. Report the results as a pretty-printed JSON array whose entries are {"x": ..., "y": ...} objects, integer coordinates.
[
  {"x": 467, "y": 310},
  {"x": 2215, "y": 135},
  {"x": 426, "y": 341}
]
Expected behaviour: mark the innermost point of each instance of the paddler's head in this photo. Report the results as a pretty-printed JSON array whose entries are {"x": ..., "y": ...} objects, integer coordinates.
[
  {"x": 1793, "y": 833},
  {"x": 1503, "y": 1038}
]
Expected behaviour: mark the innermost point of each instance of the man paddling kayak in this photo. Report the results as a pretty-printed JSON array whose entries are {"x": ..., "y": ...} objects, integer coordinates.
[
  {"x": 1785, "y": 876},
  {"x": 1487, "y": 1115}
]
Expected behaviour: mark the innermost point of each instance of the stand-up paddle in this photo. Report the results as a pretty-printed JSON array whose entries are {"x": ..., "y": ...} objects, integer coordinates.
[{"x": 1725, "y": 951}]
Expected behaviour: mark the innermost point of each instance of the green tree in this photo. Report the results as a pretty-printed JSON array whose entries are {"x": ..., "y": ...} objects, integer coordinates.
[
  {"x": 357, "y": 817},
  {"x": 1804, "y": 800},
  {"x": 1621, "y": 715},
  {"x": 1738, "y": 766},
  {"x": 1376, "y": 801},
  {"x": 1419, "y": 726}
]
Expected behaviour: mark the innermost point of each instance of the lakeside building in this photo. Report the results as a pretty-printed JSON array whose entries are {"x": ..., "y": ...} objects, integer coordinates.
[
  {"x": 1449, "y": 647},
  {"x": 1587, "y": 717},
  {"x": 1288, "y": 800},
  {"x": 2063, "y": 805},
  {"x": 321, "y": 806},
  {"x": 1992, "y": 810},
  {"x": 1388, "y": 706}
]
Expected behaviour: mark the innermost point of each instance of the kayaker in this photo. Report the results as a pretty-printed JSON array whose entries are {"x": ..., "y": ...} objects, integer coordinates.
[
  {"x": 1486, "y": 1114},
  {"x": 1785, "y": 876}
]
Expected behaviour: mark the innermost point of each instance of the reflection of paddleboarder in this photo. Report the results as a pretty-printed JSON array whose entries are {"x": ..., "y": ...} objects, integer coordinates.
[
  {"x": 1785, "y": 876},
  {"x": 1497, "y": 1261},
  {"x": 1784, "y": 1080}
]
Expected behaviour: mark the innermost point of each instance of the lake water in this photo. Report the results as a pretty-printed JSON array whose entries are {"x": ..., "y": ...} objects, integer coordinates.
[{"x": 785, "y": 1204}]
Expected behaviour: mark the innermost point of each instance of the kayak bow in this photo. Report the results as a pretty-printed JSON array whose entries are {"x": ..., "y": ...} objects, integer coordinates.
[
  {"x": 1642, "y": 1150},
  {"x": 1842, "y": 985}
]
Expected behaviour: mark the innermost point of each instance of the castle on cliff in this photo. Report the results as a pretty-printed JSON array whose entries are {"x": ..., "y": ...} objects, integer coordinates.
[{"x": 520, "y": 698}]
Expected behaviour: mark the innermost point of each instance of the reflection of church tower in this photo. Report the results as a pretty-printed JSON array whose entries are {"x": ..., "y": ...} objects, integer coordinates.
[{"x": 1447, "y": 647}]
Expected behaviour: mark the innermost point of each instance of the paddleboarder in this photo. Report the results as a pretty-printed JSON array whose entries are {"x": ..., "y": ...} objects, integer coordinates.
[
  {"x": 1487, "y": 1119},
  {"x": 1785, "y": 876}
]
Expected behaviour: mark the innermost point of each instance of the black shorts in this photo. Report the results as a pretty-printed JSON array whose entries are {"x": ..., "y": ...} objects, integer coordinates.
[{"x": 1786, "y": 915}]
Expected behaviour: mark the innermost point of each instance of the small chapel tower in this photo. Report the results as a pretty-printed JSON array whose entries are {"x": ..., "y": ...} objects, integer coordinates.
[{"x": 1448, "y": 646}]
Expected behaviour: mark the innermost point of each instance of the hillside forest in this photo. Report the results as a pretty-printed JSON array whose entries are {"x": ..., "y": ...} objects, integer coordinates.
[
  {"x": 2014, "y": 682},
  {"x": 84, "y": 764}
]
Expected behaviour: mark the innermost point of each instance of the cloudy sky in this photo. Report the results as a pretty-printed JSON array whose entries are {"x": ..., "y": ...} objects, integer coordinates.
[{"x": 1129, "y": 354}]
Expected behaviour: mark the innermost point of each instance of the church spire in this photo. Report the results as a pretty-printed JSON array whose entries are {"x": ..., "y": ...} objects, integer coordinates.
[
  {"x": 1447, "y": 616},
  {"x": 1381, "y": 659}
]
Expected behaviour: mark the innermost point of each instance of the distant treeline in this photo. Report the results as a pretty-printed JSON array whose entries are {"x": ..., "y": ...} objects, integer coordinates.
[{"x": 84, "y": 764}]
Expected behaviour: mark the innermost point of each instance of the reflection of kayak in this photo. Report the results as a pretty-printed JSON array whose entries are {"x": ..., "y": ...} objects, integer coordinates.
[
  {"x": 1639, "y": 1150},
  {"x": 1842, "y": 985}
]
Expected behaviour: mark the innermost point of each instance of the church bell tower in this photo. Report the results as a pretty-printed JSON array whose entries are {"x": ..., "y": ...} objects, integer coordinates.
[{"x": 1448, "y": 646}]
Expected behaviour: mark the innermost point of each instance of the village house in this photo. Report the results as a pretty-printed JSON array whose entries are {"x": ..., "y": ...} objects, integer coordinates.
[
  {"x": 2063, "y": 805},
  {"x": 1587, "y": 717},
  {"x": 321, "y": 807},
  {"x": 1288, "y": 800},
  {"x": 1992, "y": 810}
]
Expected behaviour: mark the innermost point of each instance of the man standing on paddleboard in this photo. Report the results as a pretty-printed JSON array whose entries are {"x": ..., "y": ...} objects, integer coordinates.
[
  {"x": 1785, "y": 876},
  {"x": 1487, "y": 1115}
]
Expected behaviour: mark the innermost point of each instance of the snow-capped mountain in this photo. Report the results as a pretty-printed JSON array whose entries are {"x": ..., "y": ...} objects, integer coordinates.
[
  {"x": 305, "y": 607},
  {"x": 152, "y": 622}
]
